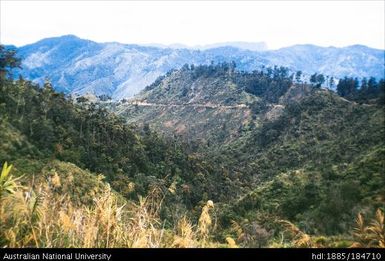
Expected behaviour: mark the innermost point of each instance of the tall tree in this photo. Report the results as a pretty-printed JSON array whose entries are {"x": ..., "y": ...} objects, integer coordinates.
[
  {"x": 8, "y": 61},
  {"x": 298, "y": 75},
  {"x": 317, "y": 80}
]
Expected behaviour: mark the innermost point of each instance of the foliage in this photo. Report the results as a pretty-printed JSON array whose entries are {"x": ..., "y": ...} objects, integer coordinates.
[
  {"x": 42, "y": 216},
  {"x": 369, "y": 90},
  {"x": 42, "y": 124},
  {"x": 7, "y": 182},
  {"x": 8, "y": 61},
  {"x": 371, "y": 235}
]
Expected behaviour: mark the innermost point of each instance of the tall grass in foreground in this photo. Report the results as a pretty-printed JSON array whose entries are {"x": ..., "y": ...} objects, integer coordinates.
[
  {"x": 47, "y": 213},
  {"x": 38, "y": 216},
  {"x": 372, "y": 234}
]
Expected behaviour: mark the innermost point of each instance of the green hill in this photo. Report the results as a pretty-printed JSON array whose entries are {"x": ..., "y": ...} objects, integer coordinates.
[
  {"x": 83, "y": 178},
  {"x": 206, "y": 156},
  {"x": 329, "y": 149}
]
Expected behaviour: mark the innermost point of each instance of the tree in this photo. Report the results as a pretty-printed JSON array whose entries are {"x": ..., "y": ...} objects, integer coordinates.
[
  {"x": 364, "y": 85},
  {"x": 347, "y": 87},
  {"x": 185, "y": 67},
  {"x": 382, "y": 91},
  {"x": 298, "y": 75},
  {"x": 373, "y": 88},
  {"x": 317, "y": 80},
  {"x": 320, "y": 80},
  {"x": 313, "y": 78},
  {"x": 331, "y": 82},
  {"x": 8, "y": 61}
]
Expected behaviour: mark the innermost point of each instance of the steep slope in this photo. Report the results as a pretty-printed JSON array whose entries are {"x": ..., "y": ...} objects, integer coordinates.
[
  {"x": 210, "y": 104},
  {"x": 320, "y": 201},
  {"x": 39, "y": 125},
  {"x": 85, "y": 179},
  {"x": 252, "y": 116},
  {"x": 79, "y": 66},
  {"x": 316, "y": 130},
  {"x": 193, "y": 105},
  {"x": 302, "y": 152}
]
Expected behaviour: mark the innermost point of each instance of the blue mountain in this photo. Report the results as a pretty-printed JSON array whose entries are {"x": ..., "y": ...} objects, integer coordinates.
[{"x": 78, "y": 66}]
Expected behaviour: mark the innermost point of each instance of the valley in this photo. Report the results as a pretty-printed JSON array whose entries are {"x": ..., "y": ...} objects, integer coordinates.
[{"x": 205, "y": 155}]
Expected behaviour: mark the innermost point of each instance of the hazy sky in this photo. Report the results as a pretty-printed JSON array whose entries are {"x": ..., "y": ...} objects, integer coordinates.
[{"x": 278, "y": 23}]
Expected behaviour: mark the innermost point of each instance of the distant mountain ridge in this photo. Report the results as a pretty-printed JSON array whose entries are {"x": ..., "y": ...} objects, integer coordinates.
[
  {"x": 251, "y": 46},
  {"x": 79, "y": 66}
]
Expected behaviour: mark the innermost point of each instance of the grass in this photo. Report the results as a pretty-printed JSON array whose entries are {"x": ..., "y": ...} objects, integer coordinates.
[{"x": 44, "y": 214}]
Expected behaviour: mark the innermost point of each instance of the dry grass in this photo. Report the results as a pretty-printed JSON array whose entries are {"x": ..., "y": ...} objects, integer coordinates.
[
  {"x": 371, "y": 235},
  {"x": 46, "y": 217},
  {"x": 185, "y": 235},
  {"x": 299, "y": 238},
  {"x": 43, "y": 220},
  {"x": 205, "y": 221},
  {"x": 248, "y": 234}
]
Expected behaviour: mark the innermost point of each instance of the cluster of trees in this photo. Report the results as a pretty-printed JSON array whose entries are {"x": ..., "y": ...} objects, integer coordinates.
[
  {"x": 210, "y": 70},
  {"x": 364, "y": 91},
  {"x": 317, "y": 80},
  {"x": 8, "y": 61},
  {"x": 268, "y": 83},
  {"x": 271, "y": 83}
]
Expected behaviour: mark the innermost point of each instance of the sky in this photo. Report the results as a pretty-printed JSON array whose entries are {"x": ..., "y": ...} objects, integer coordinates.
[{"x": 277, "y": 23}]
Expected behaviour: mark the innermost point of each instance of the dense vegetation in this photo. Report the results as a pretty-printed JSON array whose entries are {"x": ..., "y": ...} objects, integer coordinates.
[
  {"x": 351, "y": 89},
  {"x": 303, "y": 153},
  {"x": 295, "y": 169},
  {"x": 39, "y": 125}
]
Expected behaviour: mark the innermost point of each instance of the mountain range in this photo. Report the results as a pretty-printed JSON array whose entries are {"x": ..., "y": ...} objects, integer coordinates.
[
  {"x": 77, "y": 66},
  {"x": 251, "y": 46}
]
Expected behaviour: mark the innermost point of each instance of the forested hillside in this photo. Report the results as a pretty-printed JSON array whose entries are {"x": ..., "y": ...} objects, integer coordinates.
[
  {"x": 296, "y": 151},
  {"x": 261, "y": 162}
]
